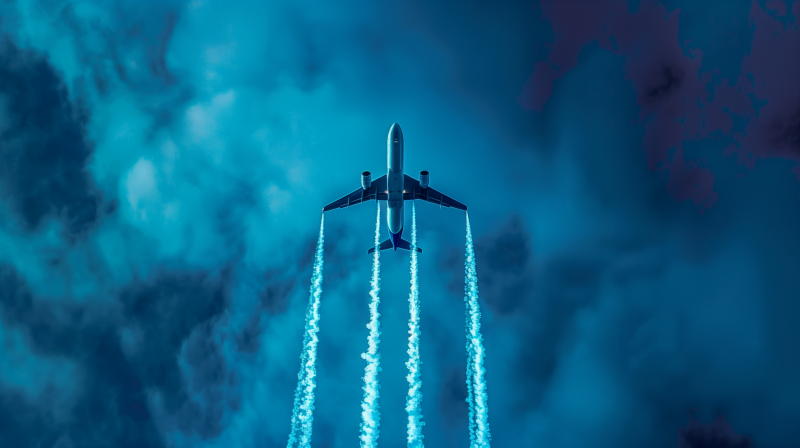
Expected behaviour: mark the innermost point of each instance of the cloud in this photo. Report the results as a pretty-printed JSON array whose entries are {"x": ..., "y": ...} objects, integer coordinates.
[
  {"x": 506, "y": 275},
  {"x": 141, "y": 182},
  {"x": 43, "y": 144},
  {"x": 717, "y": 434},
  {"x": 167, "y": 315},
  {"x": 725, "y": 99}
]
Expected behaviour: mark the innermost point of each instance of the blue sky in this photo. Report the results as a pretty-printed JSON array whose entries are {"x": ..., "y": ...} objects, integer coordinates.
[{"x": 631, "y": 170}]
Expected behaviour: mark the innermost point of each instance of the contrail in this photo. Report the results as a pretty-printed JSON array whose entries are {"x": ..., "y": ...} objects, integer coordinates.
[
  {"x": 476, "y": 383},
  {"x": 370, "y": 412},
  {"x": 303, "y": 412},
  {"x": 414, "y": 398}
]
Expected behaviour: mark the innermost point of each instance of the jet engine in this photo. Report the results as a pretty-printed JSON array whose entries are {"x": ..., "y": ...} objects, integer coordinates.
[
  {"x": 366, "y": 180},
  {"x": 424, "y": 178}
]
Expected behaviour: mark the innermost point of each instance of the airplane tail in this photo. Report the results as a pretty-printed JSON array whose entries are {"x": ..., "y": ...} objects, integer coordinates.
[{"x": 401, "y": 244}]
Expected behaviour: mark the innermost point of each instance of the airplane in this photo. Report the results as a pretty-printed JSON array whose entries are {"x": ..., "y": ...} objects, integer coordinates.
[{"x": 395, "y": 188}]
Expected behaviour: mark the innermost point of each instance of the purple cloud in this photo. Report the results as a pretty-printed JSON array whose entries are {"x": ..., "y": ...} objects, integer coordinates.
[
  {"x": 756, "y": 112},
  {"x": 717, "y": 434}
]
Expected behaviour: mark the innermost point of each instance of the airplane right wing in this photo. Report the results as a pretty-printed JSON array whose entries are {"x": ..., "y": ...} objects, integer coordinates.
[
  {"x": 414, "y": 191},
  {"x": 375, "y": 191}
]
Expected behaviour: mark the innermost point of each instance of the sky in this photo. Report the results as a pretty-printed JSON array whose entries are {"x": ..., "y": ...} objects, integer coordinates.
[{"x": 632, "y": 171}]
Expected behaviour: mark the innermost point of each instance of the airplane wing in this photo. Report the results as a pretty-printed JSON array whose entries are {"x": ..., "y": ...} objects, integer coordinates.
[
  {"x": 375, "y": 191},
  {"x": 414, "y": 191}
]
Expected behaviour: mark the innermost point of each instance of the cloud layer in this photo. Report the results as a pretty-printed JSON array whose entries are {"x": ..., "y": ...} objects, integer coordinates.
[{"x": 631, "y": 170}]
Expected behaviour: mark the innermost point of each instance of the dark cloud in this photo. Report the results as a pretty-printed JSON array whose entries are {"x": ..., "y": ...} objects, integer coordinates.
[
  {"x": 112, "y": 400},
  {"x": 157, "y": 52},
  {"x": 345, "y": 246},
  {"x": 717, "y": 434},
  {"x": 666, "y": 85},
  {"x": 208, "y": 376},
  {"x": 138, "y": 38},
  {"x": 146, "y": 39},
  {"x": 167, "y": 312},
  {"x": 452, "y": 399},
  {"x": 275, "y": 296},
  {"x": 503, "y": 263},
  {"x": 279, "y": 286},
  {"x": 787, "y": 134},
  {"x": 568, "y": 285},
  {"x": 248, "y": 339},
  {"x": 163, "y": 318},
  {"x": 130, "y": 49},
  {"x": 43, "y": 144},
  {"x": 309, "y": 57},
  {"x": 22, "y": 424},
  {"x": 324, "y": 435}
]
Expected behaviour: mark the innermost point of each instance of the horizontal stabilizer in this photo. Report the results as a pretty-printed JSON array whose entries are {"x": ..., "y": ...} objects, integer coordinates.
[
  {"x": 402, "y": 244},
  {"x": 384, "y": 245}
]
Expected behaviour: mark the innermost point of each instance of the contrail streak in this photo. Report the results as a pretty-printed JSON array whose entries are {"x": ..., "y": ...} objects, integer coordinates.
[
  {"x": 303, "y": 412},
  {"x": 370, "y": 412},
  {"x": 414, "y": 398},
  {"x": 476, "y": 383}
]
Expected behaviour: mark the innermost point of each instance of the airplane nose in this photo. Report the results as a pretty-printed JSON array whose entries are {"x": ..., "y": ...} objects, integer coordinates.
[{"x": 396, "y": 132}]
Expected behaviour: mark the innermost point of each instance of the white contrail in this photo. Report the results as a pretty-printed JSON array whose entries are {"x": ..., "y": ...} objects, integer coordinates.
[
  {"x": 470, "y": 380},
  {"x": 303, "y": 412},
  {"x": 370, "y": 412},
  {"x": 476, "y": 382},
  {"x": 414, "y": 398}
]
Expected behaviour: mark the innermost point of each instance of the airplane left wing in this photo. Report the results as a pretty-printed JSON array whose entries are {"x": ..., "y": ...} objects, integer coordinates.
[
  {"x": 375, "y": 191},
  {"x": 414, "y": 191}
]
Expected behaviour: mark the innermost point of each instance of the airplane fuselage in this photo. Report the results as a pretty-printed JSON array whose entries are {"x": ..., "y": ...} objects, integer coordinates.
[{"x": 394, "y": 182}]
